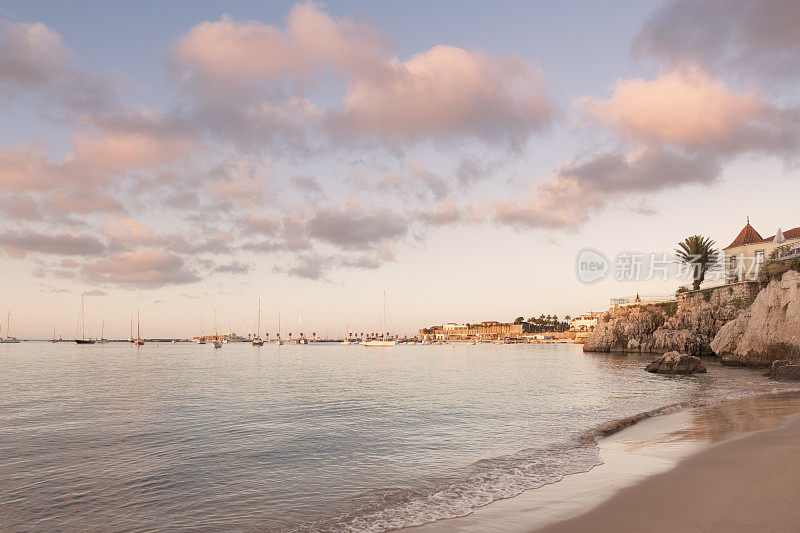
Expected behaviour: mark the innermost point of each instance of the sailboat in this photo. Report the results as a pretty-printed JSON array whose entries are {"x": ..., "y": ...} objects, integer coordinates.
[
  {"x": 8, "y": 338},
  {"x": 102, "y": 331},
  {"x": 202, "y": 338},
  {"x": 138, "y": 341},
  {"x": 83, "y": 339},
  {"x": 347, "y": 336},
  {"x": 257, "y": 340},
  {"x": 383, "y": 341},
  {"x": 301, "y": 339},
  {"x": 279, "y": 341},
  {"x": 216, "y": 343}
]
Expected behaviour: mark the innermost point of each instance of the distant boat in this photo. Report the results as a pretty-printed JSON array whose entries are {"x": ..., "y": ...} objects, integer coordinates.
[
  {"x": 279, "y": 341},
  {"x": 201, "y": 339},
  {"x": 301, "y": 339},
  {"x": 257, "y": 340},
  {"x": 217, "y": 342},
  {"x": 346, "y": 340},
  {"x": 138, "y": 341},
  {"x": 83, "y": 339},
  {"x": 8, "y": 339},
  {"x": 383, "y": 341}
]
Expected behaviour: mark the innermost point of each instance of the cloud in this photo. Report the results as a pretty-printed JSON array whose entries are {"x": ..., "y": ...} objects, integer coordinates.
[
  {"x": 353, "y": 228},
  {"x": 140, "y": 268},
  {"x": 582, "y": 188},
  {"x": 446, "y": 214},
  {"x": 232, "y": 54},
  {"x": 688, "y": 108},
  {"x": 234, "y": 267},
  {"x": 754, "y": 38},
  {"x": 31, "y": 55},
  {"x": 20, "y": 207},
  {"x": 19, "y": 243},
  {"x": 449, "y": 92},
  {"x": 33, "y": 58},
  {"x": 441, "y": 93},
  {"x": 118, "y": 152}
]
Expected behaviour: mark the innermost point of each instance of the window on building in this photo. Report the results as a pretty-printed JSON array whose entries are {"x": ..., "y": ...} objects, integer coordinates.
[
  {"x": 759, "y": 257},
  {"x": 733, "y": 262}
]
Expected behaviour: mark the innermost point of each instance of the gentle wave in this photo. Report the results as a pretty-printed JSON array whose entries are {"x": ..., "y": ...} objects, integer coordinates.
[{"x": 496, "y": 479}]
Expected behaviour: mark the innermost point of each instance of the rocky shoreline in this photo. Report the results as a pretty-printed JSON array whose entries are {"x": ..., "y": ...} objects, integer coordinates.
[{"x": 740, "y": 324}]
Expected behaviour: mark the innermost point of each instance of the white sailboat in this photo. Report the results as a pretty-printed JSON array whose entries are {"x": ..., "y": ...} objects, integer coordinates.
[
  {"x": 346, "y": 340},
  {"x": 257, "y": 340},
  {"x": 217, "y": 343},
  {"x": 83, "y": 339},
  {"x": 138, "y": 341},
  {"x": 8, "y": 339},
  {"x": 201, "y": 339},
  {"x": 301, "y": 339},
  {"x": 279, "y": 342},
  {"x": 383, "y": 341}
]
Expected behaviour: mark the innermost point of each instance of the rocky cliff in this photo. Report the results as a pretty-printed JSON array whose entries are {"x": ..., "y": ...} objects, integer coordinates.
[
  {"x": 766, "y": 331},
  {"x": 686, "y": 326}
]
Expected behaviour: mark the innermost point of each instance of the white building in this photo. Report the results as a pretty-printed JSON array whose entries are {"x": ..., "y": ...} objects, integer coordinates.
[
  {"x": 585, "y": 322},
  {"x": 748, "y": 251}
]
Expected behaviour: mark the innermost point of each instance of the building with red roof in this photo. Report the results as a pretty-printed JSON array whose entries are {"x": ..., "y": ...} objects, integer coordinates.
[{"x": 748, "y": 251}]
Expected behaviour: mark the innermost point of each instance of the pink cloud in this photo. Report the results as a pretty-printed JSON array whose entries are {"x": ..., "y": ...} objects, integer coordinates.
[
  {"x": 119, "y": 152},
  {"x": 141, "y": 268},
  {"x": 232, "y": 53},
  {"x": 689, "y": 108},
  {"x": 31, "y": 54},
  {"x": 447, "y": 91},
  {"x": 685, "y": 106},
  {"x": 442, "y": 92}
]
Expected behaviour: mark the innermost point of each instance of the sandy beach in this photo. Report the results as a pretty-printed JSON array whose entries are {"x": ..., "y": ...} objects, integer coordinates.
[
  {"x": 745, "y": 484},
  {"x": 727, "y": 467}
]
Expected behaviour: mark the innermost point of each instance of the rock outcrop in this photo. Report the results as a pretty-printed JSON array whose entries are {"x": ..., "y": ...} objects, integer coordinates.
[
  {"x": 677, "y": 363},
  {"x": 686, "y": 326},
  {"x": 766, "y": 331}
]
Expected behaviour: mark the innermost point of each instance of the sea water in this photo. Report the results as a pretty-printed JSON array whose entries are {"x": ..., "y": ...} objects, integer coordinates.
[{"x": 319, "y": 437}]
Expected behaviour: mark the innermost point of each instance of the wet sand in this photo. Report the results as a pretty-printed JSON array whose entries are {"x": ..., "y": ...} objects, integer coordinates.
[
  {"x": 751, "y": 483},
  {"x": 734, "y": 466}
]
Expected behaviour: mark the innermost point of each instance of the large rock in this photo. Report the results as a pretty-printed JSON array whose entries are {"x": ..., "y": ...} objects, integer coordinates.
[
  {"x": 766, "y": 331},
  {"x": 686, "y": 326},
  {"x": 623, "y": 330},
  {"x": 676, "y": 363}
]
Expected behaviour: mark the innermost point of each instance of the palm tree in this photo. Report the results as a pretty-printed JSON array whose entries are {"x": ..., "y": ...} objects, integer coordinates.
[{"x": 698, "y": 253}]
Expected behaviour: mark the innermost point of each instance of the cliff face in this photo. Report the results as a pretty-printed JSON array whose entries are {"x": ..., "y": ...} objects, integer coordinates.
[
  {"x": 686, "y": 327},
  {"x": 768, "y": 330}
]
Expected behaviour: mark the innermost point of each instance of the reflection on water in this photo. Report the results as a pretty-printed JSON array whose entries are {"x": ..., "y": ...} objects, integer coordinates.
[{"x": 275, "y": 438}]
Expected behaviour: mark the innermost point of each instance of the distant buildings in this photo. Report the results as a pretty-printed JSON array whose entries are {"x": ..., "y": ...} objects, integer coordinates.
[
  {"x": 483, "y": 331},
  {"x": 585, "y": 322},
  {"x": 748, "y": 251}
]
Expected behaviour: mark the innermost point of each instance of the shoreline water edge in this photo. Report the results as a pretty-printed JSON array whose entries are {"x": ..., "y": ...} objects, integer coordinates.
[{"x": 634, "y": 451}]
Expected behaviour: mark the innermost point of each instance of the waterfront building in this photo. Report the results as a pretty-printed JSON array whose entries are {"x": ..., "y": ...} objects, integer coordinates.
[
  {"x": 585, "y": 322},
  {"x": 748, "y": 251},
  {"x": 489, "y": 330}
]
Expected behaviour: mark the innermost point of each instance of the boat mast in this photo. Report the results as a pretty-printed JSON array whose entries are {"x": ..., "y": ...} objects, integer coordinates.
[
  {"x": 83, "y": 320},
  {"x": 138, "y": 329},
  {"x": 102, "y": 329},
  {"x": 384, "y": 315},
  {"x": 258, "y": 327}
]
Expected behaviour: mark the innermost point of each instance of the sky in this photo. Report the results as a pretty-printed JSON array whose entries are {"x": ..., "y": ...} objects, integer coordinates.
[{"x": 182, "y": 159}]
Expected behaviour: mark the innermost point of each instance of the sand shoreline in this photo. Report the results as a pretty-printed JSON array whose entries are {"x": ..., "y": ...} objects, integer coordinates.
[
  {"x": 657, "y": 444},
  {"x": 747, "y": 483}
]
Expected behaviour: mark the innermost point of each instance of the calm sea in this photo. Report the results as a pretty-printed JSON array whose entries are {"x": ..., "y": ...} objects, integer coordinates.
[{"x": 309, "y": 438}]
